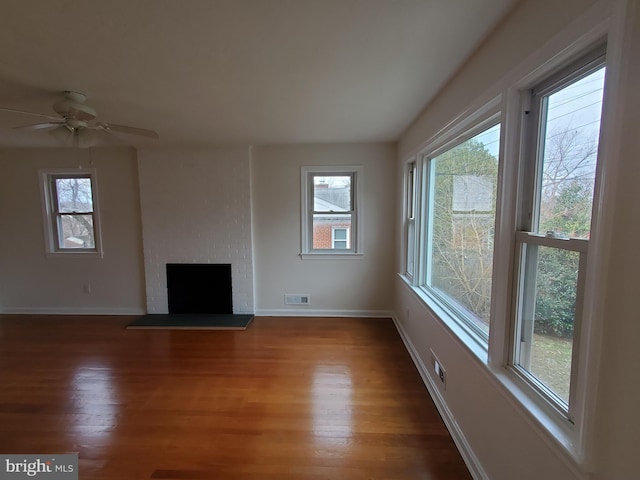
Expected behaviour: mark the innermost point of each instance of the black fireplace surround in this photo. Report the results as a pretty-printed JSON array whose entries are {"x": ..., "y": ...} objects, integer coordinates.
[{"x": 202, "y": 288}]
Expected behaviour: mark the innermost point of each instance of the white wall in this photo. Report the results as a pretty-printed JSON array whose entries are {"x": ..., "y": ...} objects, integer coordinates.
[
  {"x": 362, "y": 286},
  {"x": 618, "y": 415},
  {"x": 529, "y": 26},
  {"x": 501, "y": 441},
  {"x": 193, "y": 205},
  {"x": 196, "y": 208},
  {"x": 30, "y": 282}
]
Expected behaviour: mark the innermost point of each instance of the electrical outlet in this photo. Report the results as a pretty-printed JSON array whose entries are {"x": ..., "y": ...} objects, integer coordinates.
[{"x": 438, "y": 369}]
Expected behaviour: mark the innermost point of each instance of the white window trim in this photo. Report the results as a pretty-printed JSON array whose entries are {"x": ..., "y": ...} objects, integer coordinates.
[
  {"x": 574, "y": 431},
  {"x": 48, "y": 212},
  {"x": 306, "y": 222},
  {"x": 562, "y": 412}
]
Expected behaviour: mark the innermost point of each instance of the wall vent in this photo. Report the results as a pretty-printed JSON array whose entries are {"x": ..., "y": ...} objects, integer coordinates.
[{"x": 293, "y": 299}]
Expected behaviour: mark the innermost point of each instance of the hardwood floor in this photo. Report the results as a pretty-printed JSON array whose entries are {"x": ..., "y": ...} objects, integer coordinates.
[{"x": 289, "y": 398}]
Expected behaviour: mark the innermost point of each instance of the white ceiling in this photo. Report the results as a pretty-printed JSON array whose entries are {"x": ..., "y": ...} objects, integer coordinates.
[{"x": 211, "y": 72}]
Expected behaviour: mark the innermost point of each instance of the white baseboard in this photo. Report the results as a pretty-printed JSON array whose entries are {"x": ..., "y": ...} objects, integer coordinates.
[
  {"x": 306, "y": 312},
  {"x": 70, "y": 311},
  {"x": 470, "y": 459}
]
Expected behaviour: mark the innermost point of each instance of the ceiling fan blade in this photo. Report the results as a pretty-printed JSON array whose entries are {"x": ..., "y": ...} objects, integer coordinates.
[
  {"x": 107, "y": 138},
  {"x": 129, "y": 130},
  {"x": 38, "y": 126},
  {"x": 12, "y": 110}
]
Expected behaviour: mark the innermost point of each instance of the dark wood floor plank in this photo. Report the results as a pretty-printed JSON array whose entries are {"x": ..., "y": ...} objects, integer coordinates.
[{"x": 289, "y": 398}]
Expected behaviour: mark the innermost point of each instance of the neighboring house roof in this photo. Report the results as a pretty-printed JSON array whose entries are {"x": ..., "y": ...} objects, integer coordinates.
[{"x": 320, "y": 205}]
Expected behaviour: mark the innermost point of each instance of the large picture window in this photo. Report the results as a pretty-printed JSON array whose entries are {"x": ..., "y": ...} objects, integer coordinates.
[{"x": 460, "y": 217}]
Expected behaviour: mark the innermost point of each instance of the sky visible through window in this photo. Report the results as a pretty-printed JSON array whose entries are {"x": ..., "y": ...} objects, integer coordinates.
[
  {"x": 571, "y": 125},
  {"x": 578, "y": 105},
  {"x": 490, "y": 140}
]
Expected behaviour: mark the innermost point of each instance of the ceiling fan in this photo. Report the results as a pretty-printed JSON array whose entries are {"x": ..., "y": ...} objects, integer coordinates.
[{"x": 72, "y": 127}]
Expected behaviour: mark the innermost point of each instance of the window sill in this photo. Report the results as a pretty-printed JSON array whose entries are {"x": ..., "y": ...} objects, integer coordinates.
[
  {"x": 331, "y": 256},
  {"x": 554, "y": 425},
  {"x": 461, "y": 333},
  {"x": 94, "y": 255},
  {"x": 551, "y": 426}
]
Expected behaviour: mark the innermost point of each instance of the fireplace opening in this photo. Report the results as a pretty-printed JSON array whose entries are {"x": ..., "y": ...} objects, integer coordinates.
[{"x": 199, "y": 288}]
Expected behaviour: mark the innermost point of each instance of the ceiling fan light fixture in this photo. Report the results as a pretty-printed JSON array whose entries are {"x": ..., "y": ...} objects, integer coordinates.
[
  {"x": 62, "y": 134},
  {"x": 86, "y": 138}
]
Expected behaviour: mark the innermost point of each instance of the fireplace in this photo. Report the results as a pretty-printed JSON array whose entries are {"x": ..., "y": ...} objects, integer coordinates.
[{"x": 199, "y": 288}]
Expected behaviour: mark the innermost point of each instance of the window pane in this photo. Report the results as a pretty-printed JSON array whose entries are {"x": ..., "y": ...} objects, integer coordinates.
[
  {"x": 462, "y": 217},
  {"x": 324, "y": 226},
  {"x": 411, "y": 228},
  {"x": 547, "y": 313},
  {"x": 411, "y": 209},
  {"x": 340, "y": 234},
  {"x": 571, "y": 123},
  {"x": 74, "y": 195},
  {"x": 340, "y": 239},
  {"x": 76, "y": 231},
  {"x": 332, "y": 193},
  {"x": 411, "y": 191}
]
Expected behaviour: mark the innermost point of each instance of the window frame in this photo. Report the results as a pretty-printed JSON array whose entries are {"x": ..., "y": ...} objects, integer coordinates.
[
  {"x": 307, "y": 174},
  {"x": 51, "y": 215},
  {"x": 411, "y": 184},
  {"x": 527, "y": 234}
]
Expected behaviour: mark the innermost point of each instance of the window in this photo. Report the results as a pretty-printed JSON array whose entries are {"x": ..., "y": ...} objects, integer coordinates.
[
  {"x": 460, "y": 208},
  {"x": 410, "y": 218},
  {"x": 498, "y": 233},
  {"x": 330, "y": 210},
  {"x": 340, "y": 237},
  {"x": 552, "y": 245},
  {"x": 70, "y": 212}
]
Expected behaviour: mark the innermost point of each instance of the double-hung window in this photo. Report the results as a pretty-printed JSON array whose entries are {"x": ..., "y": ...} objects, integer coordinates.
[
  {"x": 459, "y": 213},
  {"x": 330, "y": 210},
  {"x": 552, "y": 244},
  {"x": 70, "y": 212}
]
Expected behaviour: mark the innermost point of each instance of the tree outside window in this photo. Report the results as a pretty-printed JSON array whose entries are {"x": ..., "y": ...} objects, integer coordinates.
[
  {"x": 70, "y": 214},
  {"x": 461, "y": 219},
  {"x": 554, "y": 252}
]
